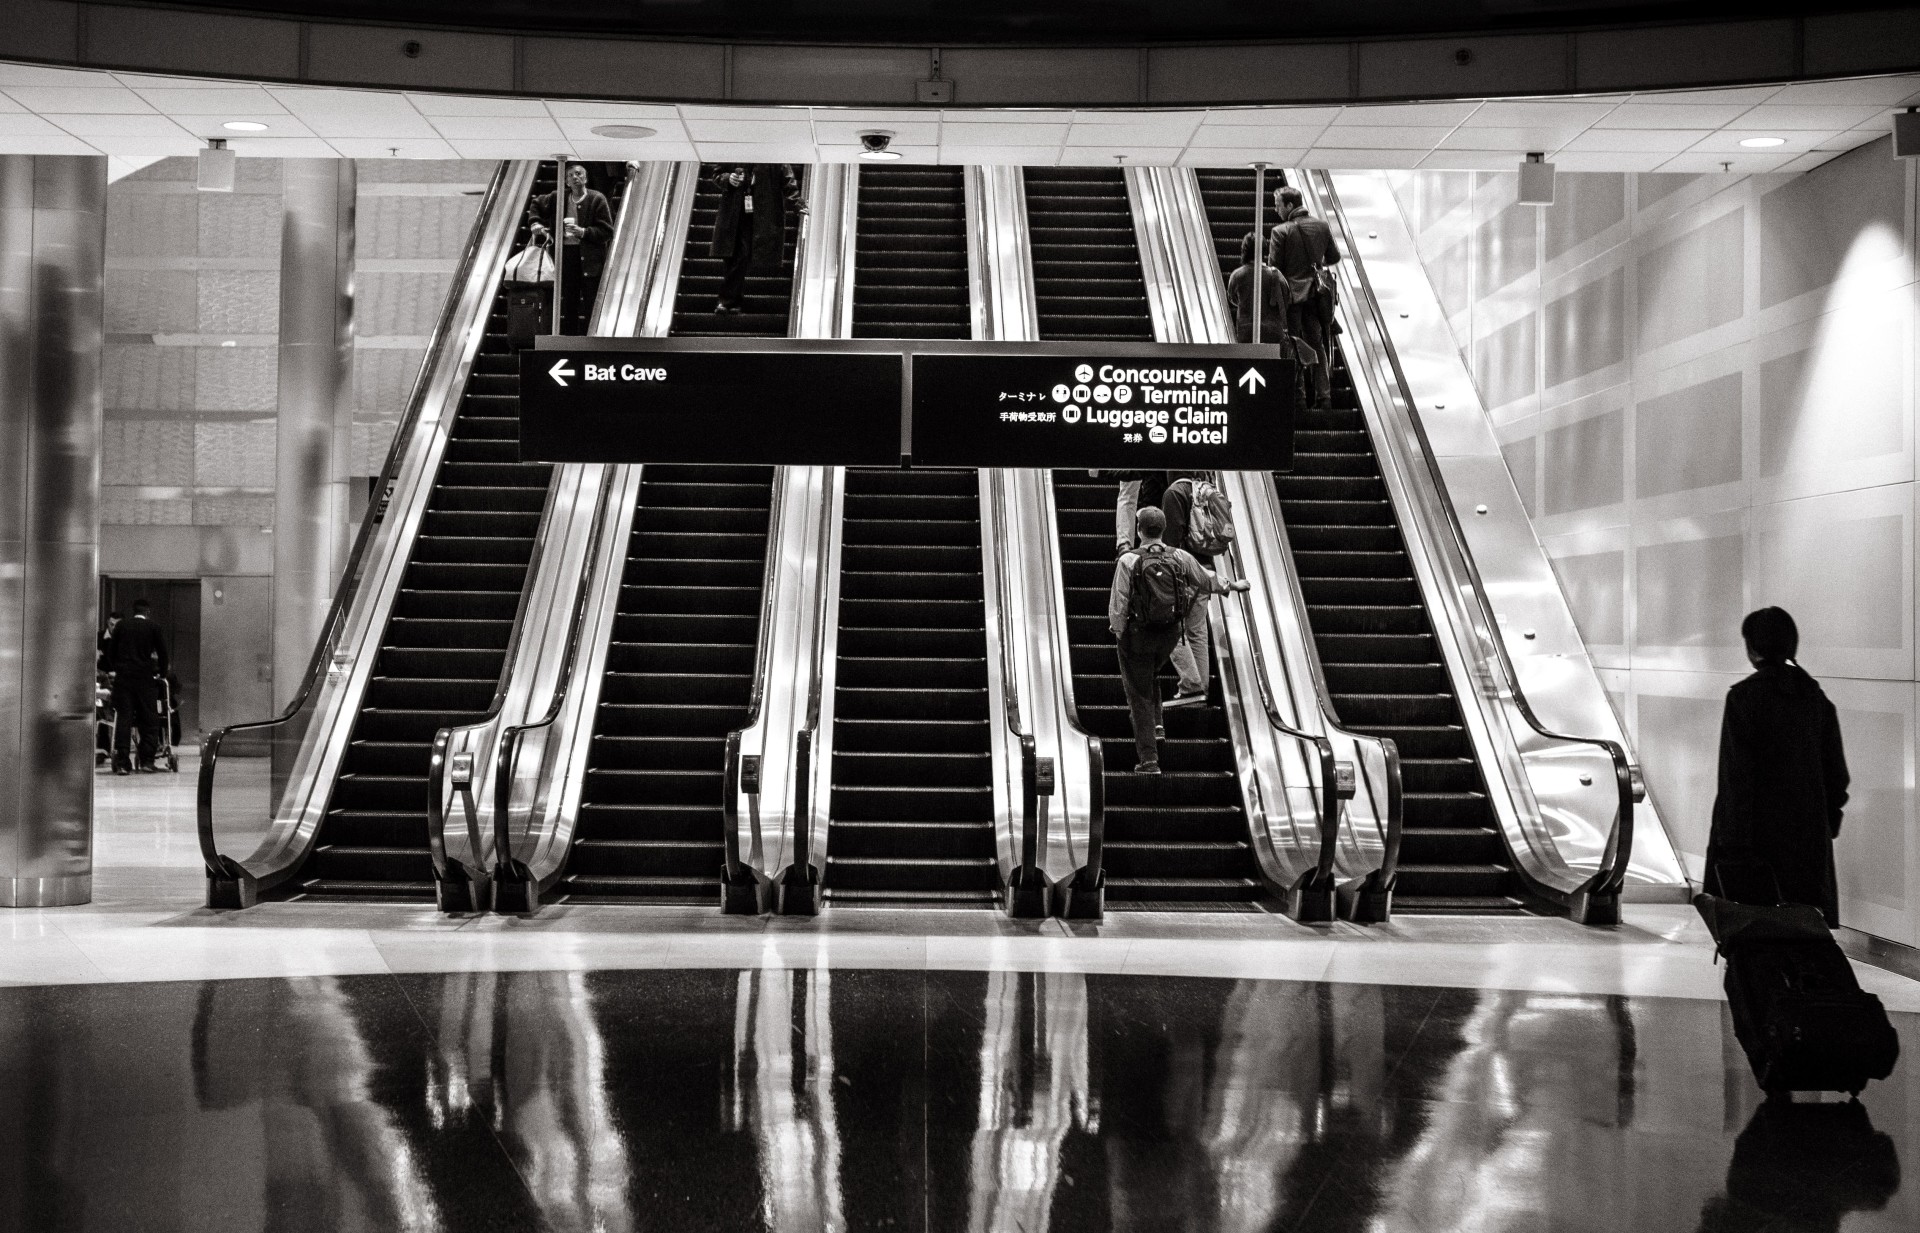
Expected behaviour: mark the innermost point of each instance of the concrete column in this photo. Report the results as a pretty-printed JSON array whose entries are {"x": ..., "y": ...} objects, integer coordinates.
[
  {"x": 311, "y": 498},
  {"x": 52, "y": 260}
]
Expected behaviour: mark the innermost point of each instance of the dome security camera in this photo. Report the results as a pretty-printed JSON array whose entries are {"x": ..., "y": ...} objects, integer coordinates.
[{"x": 875, "y": 145}]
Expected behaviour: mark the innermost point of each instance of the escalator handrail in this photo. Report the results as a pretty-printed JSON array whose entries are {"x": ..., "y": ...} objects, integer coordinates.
[
  {"x": 1329, "y": 799},
  {"x": 762, "y": 654},
  {"x": 1070, "y": 703},
  {"x": 512, "y": 735},
  {"x": 1323, "y": 699},
  {"x": 218, "y": 866},
  {"x": 805, "y": 739},
  {"x": 1611, "y": 875},
  {"x": 443, "y": 739},
  {"x": 1010, "y": 685}
]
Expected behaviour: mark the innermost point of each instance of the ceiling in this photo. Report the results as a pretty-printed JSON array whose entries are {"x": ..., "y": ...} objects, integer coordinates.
[{"x": 136, "y": 118}]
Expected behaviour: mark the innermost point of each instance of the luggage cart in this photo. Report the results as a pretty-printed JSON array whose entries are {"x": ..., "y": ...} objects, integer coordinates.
[{"x": 169, "y": 727}]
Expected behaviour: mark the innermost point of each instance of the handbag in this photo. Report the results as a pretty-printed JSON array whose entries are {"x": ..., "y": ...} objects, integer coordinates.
[{"x": 532, "y": 264}]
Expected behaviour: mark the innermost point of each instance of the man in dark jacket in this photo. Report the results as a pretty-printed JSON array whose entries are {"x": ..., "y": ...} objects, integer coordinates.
[
  {"x": 1302, "y": 245},
  {"x": 1783, "y": 777},
  {"x": 750, "y": 227},
  {"x": 588, "y": 229},
  {"x": 137, "y": 656}
]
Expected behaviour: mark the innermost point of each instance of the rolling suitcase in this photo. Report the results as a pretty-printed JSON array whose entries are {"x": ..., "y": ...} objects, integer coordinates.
[
  {"x": 529, "y": 313},
  {"x": 1802, "y": 1018}
]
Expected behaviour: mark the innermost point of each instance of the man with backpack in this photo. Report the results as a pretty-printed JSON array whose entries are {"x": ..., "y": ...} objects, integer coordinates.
[
  {"x": 1199, "y": 520},
  {"x": 1154, "y": 591}
]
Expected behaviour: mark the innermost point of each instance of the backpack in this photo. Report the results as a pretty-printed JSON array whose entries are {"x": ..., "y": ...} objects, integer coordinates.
[
  {"x": 1160, "y": 596},
  {"x": 1209, "y": 518}
]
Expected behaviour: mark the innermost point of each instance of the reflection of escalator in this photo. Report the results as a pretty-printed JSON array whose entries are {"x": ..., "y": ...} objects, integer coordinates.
[
  {"x": 445, "y": 644},
  {"x": 1374, "y": 635},
  {"x": 1182, "y": 835},
  {"x": 769, "y": 294},
  {"x": 912, "y": 807}
]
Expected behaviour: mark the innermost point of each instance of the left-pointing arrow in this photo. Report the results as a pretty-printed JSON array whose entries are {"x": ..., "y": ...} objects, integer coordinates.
[{"x": 560, "y": 372}]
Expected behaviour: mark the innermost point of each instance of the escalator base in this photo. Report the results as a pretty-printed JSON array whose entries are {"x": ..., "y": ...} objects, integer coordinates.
[{"x": 846, "y": 898}]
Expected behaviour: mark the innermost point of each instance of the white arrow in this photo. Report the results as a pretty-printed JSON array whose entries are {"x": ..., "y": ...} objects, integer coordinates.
[
  {"x": 1252, "y": 380},
  {"x": 560, "y": 372}
]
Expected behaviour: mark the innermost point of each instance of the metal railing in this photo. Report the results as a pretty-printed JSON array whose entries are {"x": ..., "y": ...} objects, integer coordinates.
[
  {"x": 1370, "y": 898},
  {"x": 746, "y": 887},
  {"x": 439, "y": 385},
  {"x": 1028, "y": 893},
  {"x": 1594, "y": 899},
  {"x": 797, "y": 888}
]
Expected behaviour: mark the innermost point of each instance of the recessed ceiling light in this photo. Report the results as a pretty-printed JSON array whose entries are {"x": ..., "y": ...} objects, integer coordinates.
[
  {"x": 623, "y": 132},
  {"x": 245, "y": 126},
  {"x": 1761, "y": 143}
]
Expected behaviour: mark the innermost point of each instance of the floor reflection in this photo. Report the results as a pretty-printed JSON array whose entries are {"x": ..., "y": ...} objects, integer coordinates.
[{"x": 854, "y": 1100}]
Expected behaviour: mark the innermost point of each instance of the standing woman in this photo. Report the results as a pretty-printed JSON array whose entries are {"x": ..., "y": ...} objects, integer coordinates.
[{"x": 1783, "y": 776}]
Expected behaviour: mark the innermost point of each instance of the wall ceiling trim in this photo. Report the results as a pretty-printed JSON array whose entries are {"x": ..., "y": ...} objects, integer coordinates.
[{"x": 1379, "y": 70}]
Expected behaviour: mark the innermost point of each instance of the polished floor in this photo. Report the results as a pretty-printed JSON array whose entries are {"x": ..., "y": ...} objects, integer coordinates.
[
  {"x": 293, "y": 1067},
  {"x": 810, "y": 1100}
]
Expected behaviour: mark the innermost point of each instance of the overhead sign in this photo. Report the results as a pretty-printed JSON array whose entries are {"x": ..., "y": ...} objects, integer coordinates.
[
  {"x": 1142, "y": 412},
  {"x": 847, "y": 403},
  {"x": 776, "y": 407}
]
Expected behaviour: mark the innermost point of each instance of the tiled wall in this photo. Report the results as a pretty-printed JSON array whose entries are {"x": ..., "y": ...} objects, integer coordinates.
[
  {"x": 191, "y": 373},
  {"x": 1705, "y": 391}
]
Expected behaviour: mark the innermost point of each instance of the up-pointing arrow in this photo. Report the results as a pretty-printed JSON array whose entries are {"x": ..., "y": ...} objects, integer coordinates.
[
  {"x": 560, "y": 372},
  {"x": 1252, "y": 380}
]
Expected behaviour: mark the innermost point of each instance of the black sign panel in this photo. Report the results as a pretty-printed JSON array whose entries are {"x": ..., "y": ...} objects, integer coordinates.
[
  {"x": 1154, "y": 413},
  {"x": 797, "y": 408}
]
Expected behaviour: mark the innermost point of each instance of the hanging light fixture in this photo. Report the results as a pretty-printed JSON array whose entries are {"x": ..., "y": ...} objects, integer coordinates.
[{"x": 215, "y": 168}]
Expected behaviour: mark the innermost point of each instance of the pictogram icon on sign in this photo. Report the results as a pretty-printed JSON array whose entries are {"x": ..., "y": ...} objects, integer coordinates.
[
  {"x": 560, "y": 372},
  {"x": 1252, "y": 380}
]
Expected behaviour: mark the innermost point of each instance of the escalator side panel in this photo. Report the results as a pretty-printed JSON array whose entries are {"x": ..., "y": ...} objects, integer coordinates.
[{"x": 1373, "y": 632}]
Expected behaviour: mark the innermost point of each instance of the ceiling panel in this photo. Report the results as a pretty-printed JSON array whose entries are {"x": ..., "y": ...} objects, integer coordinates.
[
  {"x": 505, "y": 128},
  {"x": 1745, "y": 162},
  {"x": 1382, "y": 138},
  {"x": 1504, "y": 114},
  {"x": 1007, "y": 134},
  {"x": 1215, "y": 157},
  {"x": 665, "y": 128},
  {"x": 1406, "y": 115},
  {"x": 378, "y": 147},
  {"x": 245, "y": 100},
  {"x": 120, "y": 126},
  {"x": 847, "y": 132},
  {"x": 1792, "y": 142},
  {"x": 55, "y": 100},
  {"x": 1629, "y": 141},
  {"x": 1637, "y": 114},
  {"x": 1805, "y": 116},
  {"x": 1542, "y": 139},
  {"x": 1244, "y": 135},
  {"x": 1875, "y": 91},
  {"x": 750, "y": 130},
  {"x": 476, "y": 105},
  {"x": 1140, "y": 156},
  {"x": 1362, "y": 159}
]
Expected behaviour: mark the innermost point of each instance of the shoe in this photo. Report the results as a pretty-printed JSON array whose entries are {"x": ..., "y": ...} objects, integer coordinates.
[
  {"x": 1147, "y": 768},
  {"x": 726, "y": 310},
  {"x": 1183, "y": 700},
  {"x": 122, "y": 770},
  {"x": 147, "y": 768}
]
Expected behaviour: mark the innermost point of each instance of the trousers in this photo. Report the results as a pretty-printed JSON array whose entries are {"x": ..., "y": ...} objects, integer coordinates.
[
  {"x": 733, "y": 271},
  {"x": 1307, "y": 321},
  {"x": 136, "y": 706},
  {"x": 1141, "y": 653},
  {"x": 1193, "y": 655}
]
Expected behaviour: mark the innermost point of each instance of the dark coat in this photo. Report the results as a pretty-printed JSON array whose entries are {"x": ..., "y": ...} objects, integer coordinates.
[
  {"x": 136, "y": 646},
  {"x": 594, "y": 214},
  {"x": 1302, "y": 244},
  {"x": 1783, "y": 783},
  {"x": 774, "y": 186}
]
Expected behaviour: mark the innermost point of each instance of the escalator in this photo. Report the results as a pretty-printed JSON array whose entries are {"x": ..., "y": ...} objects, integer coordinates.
[
  {"x": 912, "y": 813},
  {"x": 769, "y": 295},
  {"x": 1373, "y": 632},
  {"x": 910, "y": 262},
  {"x": 679, "y": 667},
  {"x": 1180, "y": 837},
  {"x": 444, "y": 647}
]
